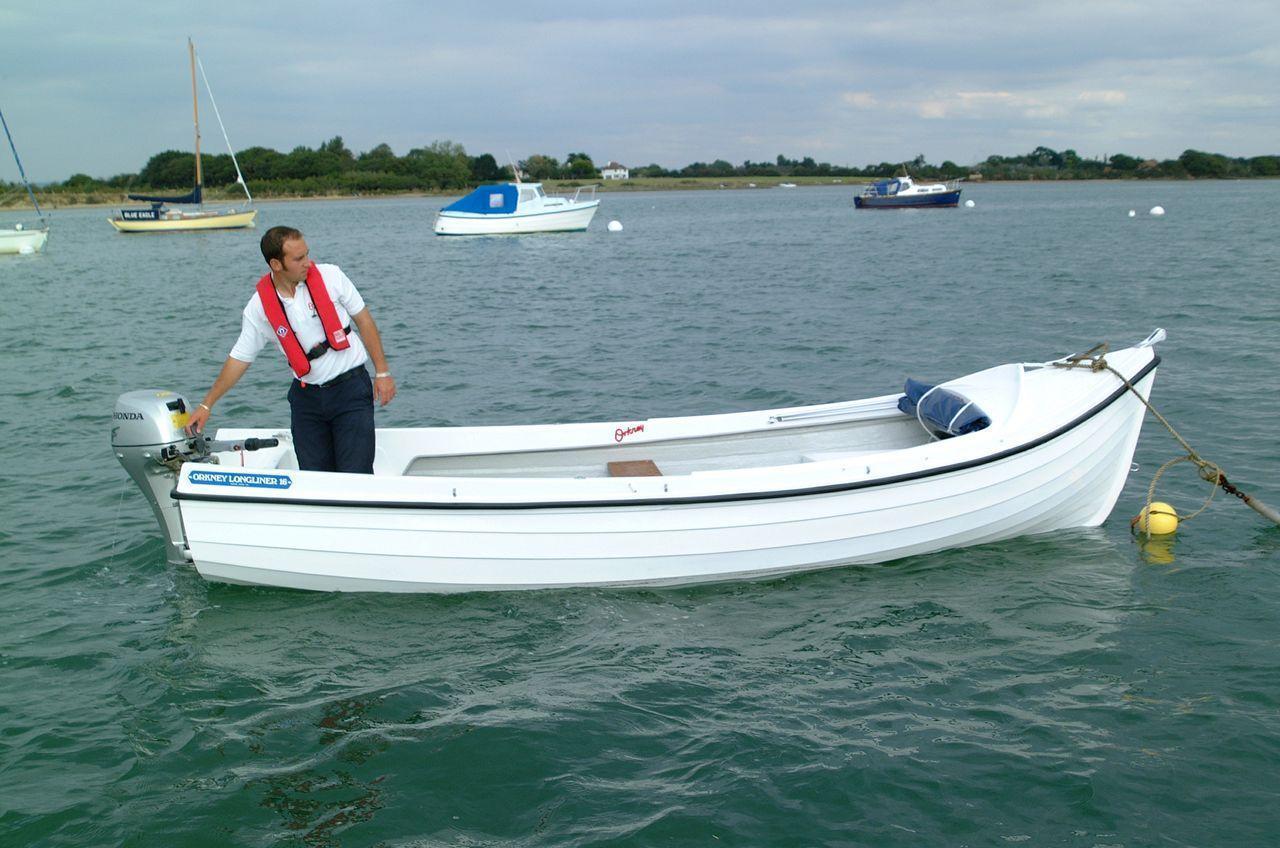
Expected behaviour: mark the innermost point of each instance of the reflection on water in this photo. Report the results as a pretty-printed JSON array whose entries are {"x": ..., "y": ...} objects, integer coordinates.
[{"x": 1157, "y": 550}]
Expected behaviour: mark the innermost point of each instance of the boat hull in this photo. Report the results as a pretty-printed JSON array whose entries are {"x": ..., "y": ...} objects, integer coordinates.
[
  {"x": 921, "y": 201},
  {"x": 572, "y": 219},
  {"x": 187, "y": 222},
  {"x": 23, "y": 241},
  {"x": 1069, "y": 476}
]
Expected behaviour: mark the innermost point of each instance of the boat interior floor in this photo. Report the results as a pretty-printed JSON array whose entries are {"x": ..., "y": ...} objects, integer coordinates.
[{"x": 709, "y": 454}]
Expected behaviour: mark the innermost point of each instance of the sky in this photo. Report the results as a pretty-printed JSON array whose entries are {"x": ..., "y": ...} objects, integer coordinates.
[{"x": 99, "y": 87}]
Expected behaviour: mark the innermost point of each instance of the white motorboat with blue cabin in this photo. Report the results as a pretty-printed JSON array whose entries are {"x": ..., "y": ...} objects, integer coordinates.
[
  {"x": 905, "y": 193},
  {"x": 1009, "y": 451},
  {"x": 517, "y": 208}
]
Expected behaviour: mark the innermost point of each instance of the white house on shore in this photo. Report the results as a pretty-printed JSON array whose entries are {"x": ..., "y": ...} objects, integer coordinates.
[{"x": 614, "y": 171}]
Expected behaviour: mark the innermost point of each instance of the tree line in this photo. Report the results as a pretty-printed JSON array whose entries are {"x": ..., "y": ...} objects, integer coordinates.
[
  {"x": 1045, "y": 163},
  {"x": 445, "y": 166}
]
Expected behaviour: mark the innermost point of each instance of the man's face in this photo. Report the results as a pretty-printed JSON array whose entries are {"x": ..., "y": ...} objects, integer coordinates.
[{"x": 294, "y": 262}]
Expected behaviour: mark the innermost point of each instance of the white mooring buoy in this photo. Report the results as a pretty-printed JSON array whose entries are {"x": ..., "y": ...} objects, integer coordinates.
[
  {"x": 1132, "y": 213},
  {"x": 969, "y": 204},
  {"x": 615, "y": 226},
  {"x": 1157, "y": 210}
]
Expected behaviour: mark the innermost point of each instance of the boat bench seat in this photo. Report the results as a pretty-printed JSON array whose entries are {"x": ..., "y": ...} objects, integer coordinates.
[{"x": 634, "y": 468}]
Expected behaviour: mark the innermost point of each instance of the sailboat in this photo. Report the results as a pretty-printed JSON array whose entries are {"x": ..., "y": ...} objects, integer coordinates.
[
  {"x": 161, "y": 216},
  {"x": 19, "y": 238}
]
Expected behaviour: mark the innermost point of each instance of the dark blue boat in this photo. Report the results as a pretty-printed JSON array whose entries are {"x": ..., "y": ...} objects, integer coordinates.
[{"x": 904, "y": 193}]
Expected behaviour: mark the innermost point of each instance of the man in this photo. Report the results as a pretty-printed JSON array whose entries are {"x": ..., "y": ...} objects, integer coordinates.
[{"x": 309, "y": 310}]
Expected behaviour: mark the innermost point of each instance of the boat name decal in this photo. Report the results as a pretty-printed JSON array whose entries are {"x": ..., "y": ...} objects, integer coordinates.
[
  {"x": 238, "y": 478},
  {"x": 621, "y": 433}
]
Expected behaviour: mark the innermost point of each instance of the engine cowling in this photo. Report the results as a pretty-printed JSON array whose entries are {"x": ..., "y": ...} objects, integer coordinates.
[{"x": 148, "y": 438}]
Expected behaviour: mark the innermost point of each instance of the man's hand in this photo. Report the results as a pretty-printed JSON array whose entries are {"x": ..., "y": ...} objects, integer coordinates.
[
  {"x": 200, "y": 415},
  {"x": 384, "y": 389}
]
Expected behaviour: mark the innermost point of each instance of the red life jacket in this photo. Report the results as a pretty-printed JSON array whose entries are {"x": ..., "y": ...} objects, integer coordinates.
[{"x": 334, "y": 333}]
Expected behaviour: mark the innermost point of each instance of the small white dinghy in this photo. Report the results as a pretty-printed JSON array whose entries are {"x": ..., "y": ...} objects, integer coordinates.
[{"x": 747, "y": 495}]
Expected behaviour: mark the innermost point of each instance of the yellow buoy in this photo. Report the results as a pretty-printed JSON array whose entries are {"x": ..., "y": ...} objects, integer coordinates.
[{"x": 1162, "y": 519}]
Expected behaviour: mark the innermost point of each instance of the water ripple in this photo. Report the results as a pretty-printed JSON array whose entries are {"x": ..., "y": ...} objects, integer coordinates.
[{"x": 1073, "y": 689}]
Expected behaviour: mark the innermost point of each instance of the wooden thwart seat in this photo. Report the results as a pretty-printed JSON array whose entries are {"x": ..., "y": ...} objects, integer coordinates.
[{"x": 634, "y": 468}]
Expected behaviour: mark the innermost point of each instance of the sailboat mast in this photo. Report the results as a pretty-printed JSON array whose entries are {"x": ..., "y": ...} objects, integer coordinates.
[
  {"x": 21, "y": 172},
  {"x": 195, "y": 110}
]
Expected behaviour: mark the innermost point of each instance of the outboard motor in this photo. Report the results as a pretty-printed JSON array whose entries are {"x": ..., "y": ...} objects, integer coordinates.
[{"x": 149, "y": 438}]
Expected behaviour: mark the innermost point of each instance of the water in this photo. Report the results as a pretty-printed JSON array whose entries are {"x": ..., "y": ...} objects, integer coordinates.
[{"x": 1073, "y": 689}]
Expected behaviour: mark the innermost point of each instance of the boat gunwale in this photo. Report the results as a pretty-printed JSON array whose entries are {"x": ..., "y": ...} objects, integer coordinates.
[{"x": 834, "y": 488}]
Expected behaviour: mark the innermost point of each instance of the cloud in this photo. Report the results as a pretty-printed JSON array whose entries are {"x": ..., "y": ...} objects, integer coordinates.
[
  {"x": 860, "y": 99},
  {"x": 1106, "y": 97},
  {"x": 977, "y": 98},
  {"x": 971, "y": 104},
  {"x": 663, "y": 81},
  {"x": 932, "y": 110}
]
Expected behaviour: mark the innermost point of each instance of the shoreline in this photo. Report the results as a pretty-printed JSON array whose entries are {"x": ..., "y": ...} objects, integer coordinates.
[{"x": 640, "y": 184}]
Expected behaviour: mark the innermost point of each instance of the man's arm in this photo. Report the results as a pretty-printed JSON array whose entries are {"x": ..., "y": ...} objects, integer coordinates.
[
  {"x": 384, "y": 385},
  {"x": 232, "y": 370}
]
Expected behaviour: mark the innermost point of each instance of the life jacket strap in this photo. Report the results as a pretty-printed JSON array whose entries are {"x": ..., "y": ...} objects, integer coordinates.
[{"x": 320, "y": 349}]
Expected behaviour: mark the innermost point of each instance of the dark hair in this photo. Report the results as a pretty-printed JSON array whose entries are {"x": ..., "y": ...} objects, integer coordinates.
[{"x": 273, "y": 242}]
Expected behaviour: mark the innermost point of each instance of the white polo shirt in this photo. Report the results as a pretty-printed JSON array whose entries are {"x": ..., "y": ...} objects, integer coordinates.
[{"x": 256, "y": 330}]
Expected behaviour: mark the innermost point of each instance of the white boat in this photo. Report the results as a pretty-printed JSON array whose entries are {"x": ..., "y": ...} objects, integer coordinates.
[
  {"x": 164, "y": 214},
  {"x": 663, "y": 501},
  {"x": 20, "y": 238},
  {"x": 905, "y": 193},
  {"x": 517, "y": 207}
]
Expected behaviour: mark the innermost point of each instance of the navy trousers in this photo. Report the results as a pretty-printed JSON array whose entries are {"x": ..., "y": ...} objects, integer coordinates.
[{"x": 333, "y": 424}]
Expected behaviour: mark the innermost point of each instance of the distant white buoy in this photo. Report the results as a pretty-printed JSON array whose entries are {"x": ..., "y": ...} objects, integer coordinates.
[
  {"x": 615, "y": 226},
  {"x": 1132, "y": 213},
  {"x": 18, "y": 226},
  {"x": 1157, "y": 210},
  {"x": 969, "y": 203}
]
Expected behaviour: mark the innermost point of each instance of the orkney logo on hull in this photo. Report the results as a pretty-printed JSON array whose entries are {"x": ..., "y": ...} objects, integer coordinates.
[
  {"x": 622, "y": 432},
  {"x": 240, "y": 478}
]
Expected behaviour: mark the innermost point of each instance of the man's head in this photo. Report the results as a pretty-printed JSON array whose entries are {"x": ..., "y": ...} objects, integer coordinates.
[{"x": 286, "y": 253}]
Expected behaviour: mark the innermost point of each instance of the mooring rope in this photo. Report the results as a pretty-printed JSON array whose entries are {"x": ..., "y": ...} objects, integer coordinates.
[{"x": 1095, "y": 360}]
